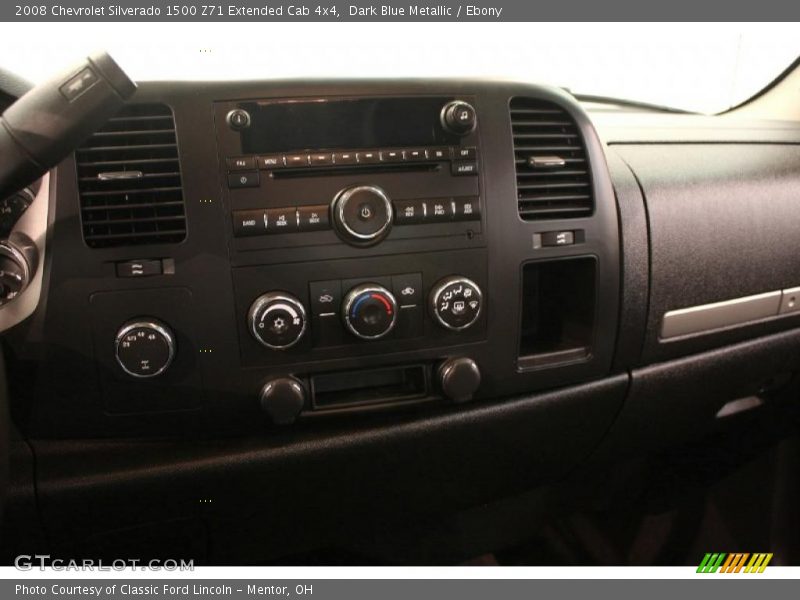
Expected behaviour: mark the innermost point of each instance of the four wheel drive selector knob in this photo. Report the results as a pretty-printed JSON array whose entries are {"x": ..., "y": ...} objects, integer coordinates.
[
  {"x": 369, "y": 311},
  {"x": 144, "y": 347},
  {"x": 362, "y": 214},
  {"x": 277, "y": 320}
]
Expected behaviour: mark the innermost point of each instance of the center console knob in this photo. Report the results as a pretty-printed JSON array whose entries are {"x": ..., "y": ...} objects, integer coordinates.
[
  {"x": 362, "y": 214},
  {"x": 369, "y": 311},
  {"x": 283, "y": 399},
  {"x": 456, "y": 302},
  {"x": 459, "y": 378},
  {"x": 277, "y": 320}
]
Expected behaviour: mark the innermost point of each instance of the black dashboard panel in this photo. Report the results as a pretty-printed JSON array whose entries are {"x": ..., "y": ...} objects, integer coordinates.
[
  {"x": 215, "y": 276},
  {"x": 722, "y": 219},
  {"x": 564, "y": 340}
]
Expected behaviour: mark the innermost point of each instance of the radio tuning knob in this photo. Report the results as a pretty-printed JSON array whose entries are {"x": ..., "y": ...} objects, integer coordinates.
[
  {"x": 459, "y": 117},
  {"x": 277, "y": 320}
]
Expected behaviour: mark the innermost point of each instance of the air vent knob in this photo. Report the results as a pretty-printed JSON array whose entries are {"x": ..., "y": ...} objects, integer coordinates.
[
  {"x": 459, "y": 117},
  {"x": 459, "y": 378}
]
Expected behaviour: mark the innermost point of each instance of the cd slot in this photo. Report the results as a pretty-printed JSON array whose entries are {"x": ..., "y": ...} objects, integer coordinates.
[{"x": 327, "y": 171}]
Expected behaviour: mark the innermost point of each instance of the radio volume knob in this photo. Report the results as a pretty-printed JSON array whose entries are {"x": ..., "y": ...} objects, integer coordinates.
[
  {"x": 369, "y": 311},
  {"x": 459, "y": 117},
  {"x": 277, "y": 320},
  {"x": 362, "y": 214}
]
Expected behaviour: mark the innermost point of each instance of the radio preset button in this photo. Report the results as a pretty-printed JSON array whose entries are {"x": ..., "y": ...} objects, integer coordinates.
[
  {"x": 416, "y": 154},
  {"x": 321, "y": 159},
  {"x": 409, "y": 212},
  {"x": 439, "y": 210},
  {"x": 243, "y": 179},
  {"x": 392, "y": 155},
  {"x": 369, "y": 156},
  {"x": 241, "y": 163},
  {"x": 466, "y": 209},
  {"x": 345, "y": 158},
  {"x": 442, "y": 153},
  {"x": 456, "y": 302},
  {"x": 470, "y": 153},
  {"x": 270, "y": 161},
  {"x": 249, "y": 222},
  {"x": 281, "y": 220},
  {"x": 313, "y": 218},
  {"x": 464, "y": 168},
  {"x": 296, "y": 160}
]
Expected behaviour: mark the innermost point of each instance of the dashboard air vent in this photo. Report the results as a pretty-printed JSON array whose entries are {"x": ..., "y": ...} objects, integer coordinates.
[
  {"x": 553, "y": 177},
  {"x": 130, "y": 181}
]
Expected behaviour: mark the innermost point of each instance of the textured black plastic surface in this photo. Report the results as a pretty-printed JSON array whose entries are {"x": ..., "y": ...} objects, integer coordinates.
[
  {"x": 635, "y": 262},
  {"x": 723, "y": 224},
  {"x": 677, "y": 401},
  {"x": 299, "y": 490}
]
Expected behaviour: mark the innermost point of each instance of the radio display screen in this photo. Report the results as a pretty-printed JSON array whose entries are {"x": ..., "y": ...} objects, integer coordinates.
[{"x": 289, "y": 125}]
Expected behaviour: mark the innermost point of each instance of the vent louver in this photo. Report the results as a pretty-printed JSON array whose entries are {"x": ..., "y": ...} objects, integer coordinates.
[
  {"x": 130, "y": 181},
  {"x": 553, "y": 176}
]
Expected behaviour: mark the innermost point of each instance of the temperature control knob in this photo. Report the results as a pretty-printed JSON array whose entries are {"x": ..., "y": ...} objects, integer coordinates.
[
  {"x": 362, "y": 214},
  {"x": 369, "y": 311},
  {"x": 459, "y": 117},
  {"x": 277, "y": 320},
  {"x": 456, "y": 302},
  {"x": 145, "y": 347}
]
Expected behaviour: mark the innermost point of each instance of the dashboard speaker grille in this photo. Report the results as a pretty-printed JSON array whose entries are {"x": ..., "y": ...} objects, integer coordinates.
[
  {"x": 553, "y": 176},
  {"x": 129, "y": 180}
]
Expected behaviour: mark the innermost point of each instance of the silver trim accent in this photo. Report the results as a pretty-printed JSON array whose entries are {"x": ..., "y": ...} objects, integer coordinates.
[
  {"x": 340, "y": 201},
  {"x": 269, "y": 298},
  {"x": 707, "y": 317},
  {"x": 154, "y": 325},
  {"x": 437, "y": 290},
  {"x": 363, "y": 289},
  {"x": 119, "y": 175},
  {"x": 11, "y": 251},
  {"x": 546, "y": 162}
]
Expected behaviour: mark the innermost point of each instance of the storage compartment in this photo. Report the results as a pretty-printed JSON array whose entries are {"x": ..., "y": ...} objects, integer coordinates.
[
  {"x": 558, "y": 307},
  {"x": 357, "y": 388}
]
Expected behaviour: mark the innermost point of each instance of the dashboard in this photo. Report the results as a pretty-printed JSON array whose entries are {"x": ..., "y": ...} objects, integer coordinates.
[{"x": 474, "y": 287}]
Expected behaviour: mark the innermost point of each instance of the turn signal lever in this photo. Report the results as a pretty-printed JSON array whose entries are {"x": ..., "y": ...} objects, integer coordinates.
[{"x": 51, "y": 120}]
